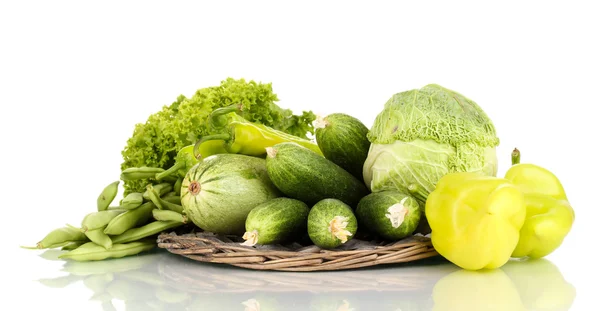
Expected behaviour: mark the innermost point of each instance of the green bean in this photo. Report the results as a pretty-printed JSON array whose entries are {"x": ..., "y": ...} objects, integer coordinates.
[
  {"x": 163, "y": 204},
  {"x": 173, "y": 199},
  {"x": 60, "y": 237},
  {"x": 177, "y": 186},
  {"x": 130, "y": 219},
  {"x": 145, "y": 231},
  {"x": 170, "y": 194},
  {"x": 167, "y": 215},
  {"x": 98, "y": 220},
  {"x": 153, "y": 195},
  {"x": 144, "y": 172},
  {"x": 161, "y": 189},
  {"x": 107, "y": 195},
  {"x": 132, "y": 201},
  {"x": 99, "y": 237},
  {"x": 73, "y": 245},
  {"x": 91, "y": 251}
]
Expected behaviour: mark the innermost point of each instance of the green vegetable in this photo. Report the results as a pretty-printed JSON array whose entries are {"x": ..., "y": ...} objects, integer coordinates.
[
  {"x": 60, "y": 237},
  {"x": 97, "y": 220},
  {"x": 331, "y": 223},
  {"x": 91, "y": 251},
  {"x": 107, "y": 195},
  {"x": 275, "y": 221},
  {"x": 145, "y": 231},
  {"x": 167, "y": 215},
  {"x": 161, "y": 189},
  {"x": 218, "y": 193},
  {"x": 155, "y": 143},
  {"x": 306, "y": 176},
  {"x": 130, "y": 219},
  {"x": 99, "y": 237},
  {"x": 139, "y": 173},
  {"x": 424, "y": 134},
  {"x": 343, "y": 140},
  {"x": 243, "y": 137},
  {"x": 132, "y": 201},
  {"x": 390, "y": 214}
]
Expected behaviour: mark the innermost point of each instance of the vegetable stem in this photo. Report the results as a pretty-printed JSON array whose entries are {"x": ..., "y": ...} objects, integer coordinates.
[
  {"x": 217, "y": 117},
  {"x": 223, "y": 136},
  {"x": 516, "y": 156},
  {"x": 172, "y": 170}
]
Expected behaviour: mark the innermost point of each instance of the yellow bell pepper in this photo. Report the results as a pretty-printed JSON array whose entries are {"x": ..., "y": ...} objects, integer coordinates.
[
  {"x": 475, "y": 220},
  {"x": 549, "y": 215}
]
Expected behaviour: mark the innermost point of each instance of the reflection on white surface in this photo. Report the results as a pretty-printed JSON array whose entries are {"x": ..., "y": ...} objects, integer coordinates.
[{"x": 163, "y": 281}]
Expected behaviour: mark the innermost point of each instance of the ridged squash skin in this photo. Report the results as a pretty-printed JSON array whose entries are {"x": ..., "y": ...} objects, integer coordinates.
[
  {"x": 218, "y": 193},
  {"x": 306, "y": 176},
  {"x": 343, "y": 140}
]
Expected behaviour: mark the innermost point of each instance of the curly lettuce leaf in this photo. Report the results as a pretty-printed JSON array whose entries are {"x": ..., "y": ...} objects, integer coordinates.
[{"x": 156, "y": 142}]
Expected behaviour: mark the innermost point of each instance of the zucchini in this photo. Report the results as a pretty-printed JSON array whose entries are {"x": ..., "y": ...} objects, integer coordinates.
[
  {"x": 343, "y": 140},
  {"x": 218, "y": 193},
  {"x": 306, "y": 176},
  {"x": 276, "y": 221},
  {"x": 331, "y": 223},
  {"x": 389, "y": 214}
]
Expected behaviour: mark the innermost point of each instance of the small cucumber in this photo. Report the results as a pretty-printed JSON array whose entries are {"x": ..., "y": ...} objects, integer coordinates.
[
  {"x": 331, "y": 223},
  {"x": 306, "y": 176},
  {"x": 390, "y": 214},
  {"x": 343, "y": 140},
  {"x": 275, "y": 221}
]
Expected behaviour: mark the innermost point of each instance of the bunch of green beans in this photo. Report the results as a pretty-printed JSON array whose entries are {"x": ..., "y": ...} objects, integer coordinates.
[{"x": 126, "y": 229}]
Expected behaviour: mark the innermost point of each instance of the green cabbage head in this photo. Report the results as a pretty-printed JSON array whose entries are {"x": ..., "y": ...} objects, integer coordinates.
[{"x": 423, "y": 134}]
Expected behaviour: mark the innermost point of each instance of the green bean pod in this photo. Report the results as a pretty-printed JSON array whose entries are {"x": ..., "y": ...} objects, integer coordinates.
[
  {"x": 98, "y": 220},
  {"x": 170, "y": 194},
  {"x": 73, "y": 245},
  {"x": 135, "y": 173},
  {"x": 150, "y": 229},
  {"x": 163, "y": 204},
  {"x": 91, "y": 251},
  {"x": 132, "y": 201},
  {"x": 167, "y": 215},
  {"x": 177, "y": 186},
  {"x": 172, "y": 199},
  {"x": 60, "y": 237},
  {"x": 130, "y": 219},
  {"x": 99, "y": 237},
  {"x": 107, "y": 195},
  {"x": 161, "y": 189}
]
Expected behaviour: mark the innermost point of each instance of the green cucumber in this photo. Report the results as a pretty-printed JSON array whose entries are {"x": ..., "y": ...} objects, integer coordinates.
[
  {"x": 343, "y": 140},
  {"x": 331, "y": 223},
  {"x": 276, "y": 221},
  {"x": 218, "y": 193},
  {"x": 390, "y": 214},
  {"x": 306, "y": 176}
]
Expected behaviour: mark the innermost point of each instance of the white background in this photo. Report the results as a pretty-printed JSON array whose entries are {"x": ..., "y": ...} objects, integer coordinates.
[{"x": 75, "y": 76}]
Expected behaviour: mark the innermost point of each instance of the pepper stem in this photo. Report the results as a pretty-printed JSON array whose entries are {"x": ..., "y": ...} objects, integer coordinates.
[
  {"x": 223, "y": 136},
  {"x": 516, "y": 156},
  {"x": 172, "y": 170},
  {"x": 217, "y": 117}
]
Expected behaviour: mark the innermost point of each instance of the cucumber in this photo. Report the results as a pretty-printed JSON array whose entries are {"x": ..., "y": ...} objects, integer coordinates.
[
  {"x": 390, "y": 214},
  {"x": 331, "y": 223},
  {"x": 306, "y": 176},
  {"x": 218, "y": 193},
  {"x": 343, "y": 140},
  {"x": 276, "y": 221}
]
